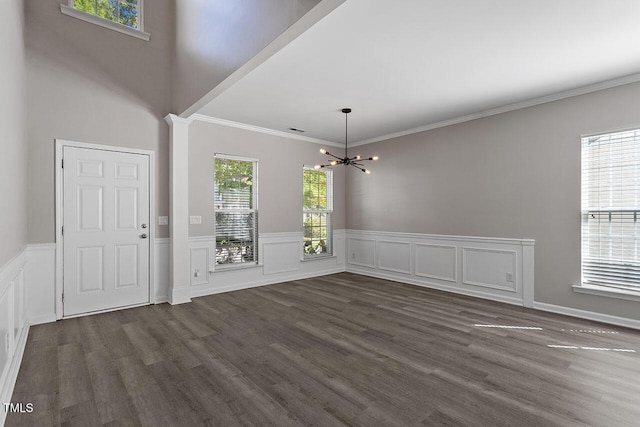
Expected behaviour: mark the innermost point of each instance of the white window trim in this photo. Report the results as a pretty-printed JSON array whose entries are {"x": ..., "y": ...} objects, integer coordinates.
[
  {"x": 69, "y": 10},
  {"x": 310, "y": 257},
  {"x": 605, "y": 291},
  {"x": 215, "y": 267}
]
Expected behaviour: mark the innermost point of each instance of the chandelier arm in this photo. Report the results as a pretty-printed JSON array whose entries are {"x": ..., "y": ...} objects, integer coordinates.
[{"x": 332, "y": 155}]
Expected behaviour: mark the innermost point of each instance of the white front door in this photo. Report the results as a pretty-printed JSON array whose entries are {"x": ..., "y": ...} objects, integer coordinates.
[{"x": 106, "y": 230}]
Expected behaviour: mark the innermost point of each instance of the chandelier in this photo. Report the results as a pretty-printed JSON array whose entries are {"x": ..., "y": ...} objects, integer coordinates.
[{"x": 355, "y": 161}]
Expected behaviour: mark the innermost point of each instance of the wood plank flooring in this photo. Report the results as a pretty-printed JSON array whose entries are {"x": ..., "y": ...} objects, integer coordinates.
[{"x": 330, "y": 351}]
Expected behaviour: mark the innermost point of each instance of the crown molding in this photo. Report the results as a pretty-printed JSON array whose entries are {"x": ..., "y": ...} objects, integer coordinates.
[
  {"x": 633, "y": 78},
  {"x": 172, "y": 119},
  {"x": 229, "y": 123}
]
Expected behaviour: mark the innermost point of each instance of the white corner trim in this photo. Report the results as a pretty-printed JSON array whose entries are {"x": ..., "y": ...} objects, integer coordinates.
[
  {"x": 252, "y": 128},
  {"x": 589, "y": 315},
  {"x": 83, "y": 16},
  {"x": 607, "y": 292},
  {"x": 633, "y": 78}
]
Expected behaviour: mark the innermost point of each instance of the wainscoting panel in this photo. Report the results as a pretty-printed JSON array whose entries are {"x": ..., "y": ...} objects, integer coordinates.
[
  {"x": 41, "y": 283},
  {"x": 281, "y": 256},
  {"x": 14, "y": 326},
  {"x": 436, "y": 262},
  {"x": 199, "y": 266},
  {"x": 361, "y": 252},
  {"x": 162, "y": 252},
  {"x": 394, "y": 256},
  {"x": 280, "y": 259},
  {"x": 490, "y": 268}
]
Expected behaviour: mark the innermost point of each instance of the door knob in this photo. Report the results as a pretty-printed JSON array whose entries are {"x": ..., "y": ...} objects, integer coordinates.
[{"x": 143, "y": 236}]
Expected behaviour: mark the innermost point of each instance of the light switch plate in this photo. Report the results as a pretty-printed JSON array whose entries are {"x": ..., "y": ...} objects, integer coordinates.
[
  {"x": 163, "y": 220},
  {"x": 195, "y": 220}
]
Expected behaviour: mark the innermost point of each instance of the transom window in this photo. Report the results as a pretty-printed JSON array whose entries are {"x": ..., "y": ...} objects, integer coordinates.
[
  {"x": 317, "y": 193},
  {"x": 235, "y": 209},
  {"x": 611, "y": 210},
  {"x": 124, "y": 12}
]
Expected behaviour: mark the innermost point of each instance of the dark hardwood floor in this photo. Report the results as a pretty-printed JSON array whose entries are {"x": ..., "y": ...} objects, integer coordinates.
[{"x": 336, "y": 350}]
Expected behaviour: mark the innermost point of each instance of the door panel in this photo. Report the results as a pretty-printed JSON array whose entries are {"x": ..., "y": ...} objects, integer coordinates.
[{"x": 106, "y": 217}]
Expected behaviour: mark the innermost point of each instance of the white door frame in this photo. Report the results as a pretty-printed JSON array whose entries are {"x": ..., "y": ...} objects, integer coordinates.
[{"x": 60, "y": 144}]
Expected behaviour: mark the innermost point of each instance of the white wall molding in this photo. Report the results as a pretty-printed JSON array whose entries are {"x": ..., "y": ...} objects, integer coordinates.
[
  {"x": 280, "y": 259},
  {"x": 267, "y": 131},
  {"x": 589, "y": 315},
  {"x": 491, "y": 268},
  {"x": 494, "y": 283},
  {"x": 633, "y": 78},
  {"x": 439, "y": 268},
  {"x": 400, "y": 235},
  {"x": 41, "y": 285},
  {"x": 14, "y": 325}
]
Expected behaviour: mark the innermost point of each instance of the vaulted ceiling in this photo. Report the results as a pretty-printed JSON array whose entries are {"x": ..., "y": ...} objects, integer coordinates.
[{"x": 409, "y": 64}]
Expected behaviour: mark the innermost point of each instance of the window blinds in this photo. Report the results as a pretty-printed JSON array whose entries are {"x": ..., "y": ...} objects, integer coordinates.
[
  {"x": 610, "y": 210},
  {"x": 236, "y": 217}
]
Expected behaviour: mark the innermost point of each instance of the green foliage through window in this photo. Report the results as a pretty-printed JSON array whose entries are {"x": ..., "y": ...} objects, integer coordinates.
[
  {"x": 236, "y": 224},
  {"x": 317, "y": 206},
  {"x": 124, "y": 12}
]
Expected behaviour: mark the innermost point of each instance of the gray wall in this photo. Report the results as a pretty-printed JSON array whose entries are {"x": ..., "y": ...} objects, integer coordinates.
[
  {"x": 280, "y": 162},
  {"x": 13, "y": 150},
  {"x": 91, "y": 84},
  {"x": 215, "y": 37},
  {"x": 511, "y": 175}
]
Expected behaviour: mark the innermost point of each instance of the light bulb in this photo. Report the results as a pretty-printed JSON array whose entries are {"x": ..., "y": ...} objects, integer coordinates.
[
  {"x": 367, "y": 171},
  {"x": 323, "y": 151},
  {"x": 317, "y": 167},
  {"x": 333, "y": 163},
  {"x": 358, "y": 157},
  {"x": 375, "y": 157}
]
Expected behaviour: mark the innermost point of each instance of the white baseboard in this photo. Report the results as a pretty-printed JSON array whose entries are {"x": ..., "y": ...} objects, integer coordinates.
[
  {"x": 39, "y": 320},
  {"x": 589, "y": 315}
]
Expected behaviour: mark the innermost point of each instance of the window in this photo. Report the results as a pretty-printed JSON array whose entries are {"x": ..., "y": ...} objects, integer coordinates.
[
  {"x": 124, "y": 16},
  {"x": 235, "y": 209},
  {"x": 317, "y": 194},
  {"x": 611, "y": 210},
  {"x": 123, "y": 12}
]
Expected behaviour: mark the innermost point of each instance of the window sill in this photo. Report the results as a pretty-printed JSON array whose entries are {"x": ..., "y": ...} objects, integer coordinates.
[
  {"x": 318, "y": 258},
  {"x": 607, "y": 292},
  {"x": 70, "y": 11},
  {"x": 234, "y": 267}
]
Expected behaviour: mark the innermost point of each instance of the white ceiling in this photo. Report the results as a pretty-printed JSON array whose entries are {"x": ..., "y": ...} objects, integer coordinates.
[{"x": 406, "y": 64}]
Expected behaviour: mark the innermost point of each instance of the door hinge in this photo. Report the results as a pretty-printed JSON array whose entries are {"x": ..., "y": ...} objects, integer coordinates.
[
  {"x": 63, "y": 297},
  {"x": 62, "y": 163},
  {"x": 63, "y": 230}
]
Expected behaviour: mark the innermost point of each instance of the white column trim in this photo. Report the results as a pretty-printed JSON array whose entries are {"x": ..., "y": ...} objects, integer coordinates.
[{"x": 179, "y": 277}]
